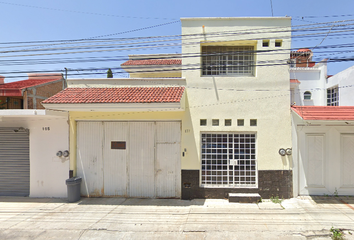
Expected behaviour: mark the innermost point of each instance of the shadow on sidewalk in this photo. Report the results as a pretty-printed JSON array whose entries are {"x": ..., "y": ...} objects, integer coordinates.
[
  {"x": 333, "y": 199},
  {"x": 141, "y": 202}
]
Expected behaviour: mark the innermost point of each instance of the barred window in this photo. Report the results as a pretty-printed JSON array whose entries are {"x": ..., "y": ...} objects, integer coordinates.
[
  {"x": 332, "y": 97},
  {"x": 227, "y": 60},
  {"x": 229, "y": 160}
]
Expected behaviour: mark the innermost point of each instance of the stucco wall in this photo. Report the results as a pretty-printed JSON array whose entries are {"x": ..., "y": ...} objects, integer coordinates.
[
  {"x": 47, "y": 136},
  {"x": 312, "y": 80},
  {"x": 345, "y": 81},
  {"x": 264, "y": 97}
]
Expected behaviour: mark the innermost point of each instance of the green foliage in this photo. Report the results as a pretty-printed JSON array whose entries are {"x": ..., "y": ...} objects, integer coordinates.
[
  {"x": 335, "y": 192},
  {"x": 275, "y": 199},
  {"x": 109, "y": 73},
  {"x": 337, "y": 234}
]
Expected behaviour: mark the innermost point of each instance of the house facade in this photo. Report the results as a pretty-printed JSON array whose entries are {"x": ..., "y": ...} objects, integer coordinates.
[
  {"x": 323, "y": 138},
  {"x": 29, "y": 142},
  {"x": 202, "y": 124},
  {"x": 28, "y": 94},
  {"x": 238, "y": 111},
  {"x": 31, "y": 137}
]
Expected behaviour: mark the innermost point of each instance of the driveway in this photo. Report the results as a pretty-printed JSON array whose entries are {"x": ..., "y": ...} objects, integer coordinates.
[{"x": 121, "y": 218}]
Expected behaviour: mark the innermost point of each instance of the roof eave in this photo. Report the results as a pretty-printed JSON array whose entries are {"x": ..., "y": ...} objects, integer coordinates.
[{"x": 115, "y": 107}]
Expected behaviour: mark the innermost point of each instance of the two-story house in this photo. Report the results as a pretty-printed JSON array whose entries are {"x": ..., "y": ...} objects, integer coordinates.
[
  {"x": 323, "y": 132},
  {"x": 212, "y": 121}
]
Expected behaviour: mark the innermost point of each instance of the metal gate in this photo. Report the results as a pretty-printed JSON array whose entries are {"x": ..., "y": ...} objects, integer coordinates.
[
  {"x": 14, "y": 162},
  {"x": 134, "y": 159}
]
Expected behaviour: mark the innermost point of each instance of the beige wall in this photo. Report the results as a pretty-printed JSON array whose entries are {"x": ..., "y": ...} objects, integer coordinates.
[{"x": 264, "y": 97}]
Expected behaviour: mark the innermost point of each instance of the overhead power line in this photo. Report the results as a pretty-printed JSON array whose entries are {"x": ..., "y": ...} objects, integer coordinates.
[{"x": 81, "y": 12}]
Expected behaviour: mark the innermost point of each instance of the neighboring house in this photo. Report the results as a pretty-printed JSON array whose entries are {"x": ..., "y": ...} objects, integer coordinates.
[
  {"x": 204, "y": 129},
  {"x": 308, "y": 81},
  {"x": 31, "y": 138},
  {"x": 323, "y": 139},
  {"x": 28, "y": 94},
  {"x": 125, "y": 135},
  {"x": 340, "y": 88},
  {"x": 152, "y": 66},
  {"x": 323, "y": 133}
]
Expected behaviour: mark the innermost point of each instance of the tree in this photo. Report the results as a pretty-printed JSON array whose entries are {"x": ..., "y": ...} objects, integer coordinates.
[{"x": 109, "y": 73}]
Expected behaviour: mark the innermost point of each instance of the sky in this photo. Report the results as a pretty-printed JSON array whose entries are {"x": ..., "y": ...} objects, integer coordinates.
[{"x": 88, "y": 37}]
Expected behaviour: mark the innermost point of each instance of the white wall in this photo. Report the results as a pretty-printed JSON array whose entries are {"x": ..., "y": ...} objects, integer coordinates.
[
  {"x": 264, "y": 97},
  {"x": 47, "y": 171},
  {"x": 313, "y": 80},
  {"x": 345, "y": 81},
  {"x": 332, "y": 132}
]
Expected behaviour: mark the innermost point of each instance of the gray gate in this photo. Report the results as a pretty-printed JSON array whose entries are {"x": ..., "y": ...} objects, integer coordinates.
[{"x": 14, "y": 162}]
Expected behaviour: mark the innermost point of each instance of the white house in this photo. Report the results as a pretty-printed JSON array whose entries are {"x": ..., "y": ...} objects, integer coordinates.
[
  {"x": 323, "y": 138},
  {"x": 29, "y": 142}
]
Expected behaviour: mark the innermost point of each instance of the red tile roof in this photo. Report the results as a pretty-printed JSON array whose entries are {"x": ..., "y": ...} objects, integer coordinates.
[
  {"x": 175, "y": 61},
  {"x": 325, "y": 113},
  {"x": 118, "y": 95},
  {"x": 294, "y": 81},
  {"x": 304, "y": 50},
  {"x": 14, "y": 88}
]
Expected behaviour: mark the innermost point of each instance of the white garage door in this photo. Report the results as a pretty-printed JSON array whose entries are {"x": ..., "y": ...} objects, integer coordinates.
[
  {"x": 135, "y": 159},
  {"x": 325, "y": 168}
]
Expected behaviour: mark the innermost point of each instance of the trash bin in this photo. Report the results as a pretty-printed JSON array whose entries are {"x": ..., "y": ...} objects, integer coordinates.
[{"x": 73, "y": 186}]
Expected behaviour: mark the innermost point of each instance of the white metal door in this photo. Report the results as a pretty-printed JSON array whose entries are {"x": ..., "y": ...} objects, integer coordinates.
[
  {"x": 115, "y": 158},
  {"x": 89, "y": 158},
  {"x": 167, "y": 165},
  {"x": 346, "y": 165},
  {"x": 135, "y": 159},
  {"x": 326, "y": 169},
  {"x": 141, "y": 159}
]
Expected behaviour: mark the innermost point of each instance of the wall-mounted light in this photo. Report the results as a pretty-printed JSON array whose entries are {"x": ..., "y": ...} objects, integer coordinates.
[{"x": 282, "y": 152}]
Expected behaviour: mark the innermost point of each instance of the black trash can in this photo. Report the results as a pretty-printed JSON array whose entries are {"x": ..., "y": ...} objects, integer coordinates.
[{"x": 73, "y": 185}]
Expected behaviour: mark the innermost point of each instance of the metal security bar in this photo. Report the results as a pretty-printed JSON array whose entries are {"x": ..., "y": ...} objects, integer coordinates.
[
  {"x": 229, "y": 160},
  {"x": 226, "y": 60}
]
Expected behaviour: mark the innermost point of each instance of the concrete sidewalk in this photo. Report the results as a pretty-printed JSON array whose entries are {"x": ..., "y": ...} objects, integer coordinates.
[{"x": 120, "y": 218}]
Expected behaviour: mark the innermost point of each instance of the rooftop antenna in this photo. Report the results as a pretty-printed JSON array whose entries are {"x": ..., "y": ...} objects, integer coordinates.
[{"x": 271, "y": 6}]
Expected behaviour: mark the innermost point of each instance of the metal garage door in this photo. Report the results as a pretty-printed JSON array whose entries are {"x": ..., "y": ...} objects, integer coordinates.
[
  {"x": 14, "y": 162},
  {"x": 135, "y": 159},
  {"x": 324, "y": 168}
]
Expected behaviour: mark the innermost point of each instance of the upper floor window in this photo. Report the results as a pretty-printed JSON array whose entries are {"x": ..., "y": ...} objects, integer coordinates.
[
  {"x": 307, "y": 95},
  {"x": 332, "y": 97},
  {"x": 228, "y": 60}
]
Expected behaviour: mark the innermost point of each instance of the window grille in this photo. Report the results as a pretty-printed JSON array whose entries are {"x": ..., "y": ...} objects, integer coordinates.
[
  {"x": 333, "y": 97},
  {"x": 222, "y": 60},
  {"x": 307, "y": 95},
  {"x": 229, "y": 160}
]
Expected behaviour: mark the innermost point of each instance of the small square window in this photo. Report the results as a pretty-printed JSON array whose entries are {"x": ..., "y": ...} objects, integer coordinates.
[
  {"x": 240, "y": 122},
  {"x": 215, "y": 122},
  {"x": 253, "y": 122},
  {"x": 278, "y": 43},
  {"x": 265, "y": 43},
  {"x": 203, "y": 122},
  {"x": 228, "y": 122}
]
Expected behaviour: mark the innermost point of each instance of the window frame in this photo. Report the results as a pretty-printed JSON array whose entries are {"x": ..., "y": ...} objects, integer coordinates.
[
  {"x": 235, "y": 60},
  {"x": 333, "y": 96},
  {"x": 307, "y": 95},
  {"x": 234, "y": 165}
]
